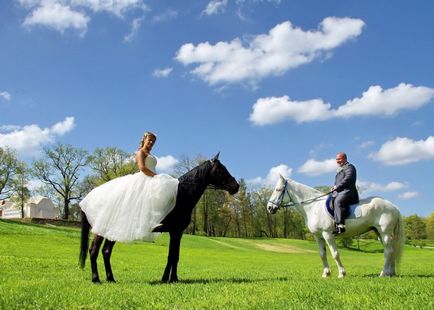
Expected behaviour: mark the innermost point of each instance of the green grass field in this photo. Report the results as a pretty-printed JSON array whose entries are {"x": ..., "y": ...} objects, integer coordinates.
[{"x": 39, "y": 269}]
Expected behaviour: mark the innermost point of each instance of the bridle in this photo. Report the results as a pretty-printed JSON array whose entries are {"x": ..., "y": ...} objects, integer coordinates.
[
  {"x": 278, "y": 202},
  {"x": 224, "y": 186}
]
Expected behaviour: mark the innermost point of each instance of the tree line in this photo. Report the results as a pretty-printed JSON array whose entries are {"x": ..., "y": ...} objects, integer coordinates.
[{"x": 66, "y": 174}]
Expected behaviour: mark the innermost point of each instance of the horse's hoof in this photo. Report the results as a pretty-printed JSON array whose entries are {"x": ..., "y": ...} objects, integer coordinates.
[
  {"x": 95, "y": 279},
  {"x": 165, "y": 279},
  {"x": 174, "y": 280},
  {"x": 111, "y": 280}
]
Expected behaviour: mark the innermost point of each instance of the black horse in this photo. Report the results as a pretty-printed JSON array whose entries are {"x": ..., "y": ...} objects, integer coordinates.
[{"x": 190, "y": 188}]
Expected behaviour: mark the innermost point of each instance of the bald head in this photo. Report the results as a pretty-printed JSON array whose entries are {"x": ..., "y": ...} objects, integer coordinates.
[{"x": 341, "y": 158}]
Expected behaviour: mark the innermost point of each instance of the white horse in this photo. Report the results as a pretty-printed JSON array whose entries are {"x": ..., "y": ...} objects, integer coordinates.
[{"x": 372, "y": 213}]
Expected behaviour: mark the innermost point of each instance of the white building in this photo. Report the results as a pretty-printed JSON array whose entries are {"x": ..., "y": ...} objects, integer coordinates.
[{"x": 36, "y": 207}]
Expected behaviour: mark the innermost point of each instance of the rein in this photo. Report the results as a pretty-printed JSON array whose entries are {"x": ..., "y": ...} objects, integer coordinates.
[{"x": 279, "y": 200}]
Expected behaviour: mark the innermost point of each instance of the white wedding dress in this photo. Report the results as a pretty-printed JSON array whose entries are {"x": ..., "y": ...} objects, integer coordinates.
[{"x": 128, "y": 207}]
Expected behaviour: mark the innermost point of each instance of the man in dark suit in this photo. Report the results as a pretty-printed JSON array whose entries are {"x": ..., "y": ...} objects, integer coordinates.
[{"x": 344, "y": 191}]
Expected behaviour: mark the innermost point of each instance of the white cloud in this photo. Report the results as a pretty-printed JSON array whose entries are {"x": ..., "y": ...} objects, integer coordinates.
[
  {"x": 9, "y": 127},
  {"x": 5, "y": 95},
  {"x": 375, "y": 187},
  {"x": 58, "y": 17},
  {"x": 402, "y": 151},
  {"x": 135, "y": 26},
  {"x": 285, "y": 47},
  {"x": 272, "y": 176},
  {"x": 215, "y": 7},
  {"x": 63, "y": 127},
  {"x": 272, "y": 110},
  {"x": 166, "y": 163},
  {"x": 162, "y": 72},
  {"x": 116, "y": 7},
  {"x": 375, "y": 101},
  {"x": 409, "y": 195},
  {"x": 29, "y": 139},
  {"x": 61, "y": 15},
  {"x": 313, "y": 167}
]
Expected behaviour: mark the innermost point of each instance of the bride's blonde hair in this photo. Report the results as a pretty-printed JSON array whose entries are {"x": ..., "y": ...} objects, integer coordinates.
[{"x": 145, "y": 135}]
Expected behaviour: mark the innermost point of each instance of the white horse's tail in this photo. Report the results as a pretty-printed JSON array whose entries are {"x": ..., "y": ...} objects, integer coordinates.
[{"x": 398, "y": 240}]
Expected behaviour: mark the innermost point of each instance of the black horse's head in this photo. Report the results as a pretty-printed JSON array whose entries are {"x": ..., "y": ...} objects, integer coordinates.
[{"x": 221, "y": 178}]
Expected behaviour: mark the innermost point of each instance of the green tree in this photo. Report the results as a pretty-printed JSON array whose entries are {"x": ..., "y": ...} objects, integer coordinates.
[
  {"x": 415, "y": 229},
  {"x": 9, "y": 168},
  {"x": 429, "y": 222},
  {"x": 60, "y": 168},
  {"x": 21, "y": 191},
  {"x": 111, "y": 162}
]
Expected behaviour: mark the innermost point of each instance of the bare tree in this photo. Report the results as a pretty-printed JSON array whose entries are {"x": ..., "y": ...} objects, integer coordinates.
[{"x": 60, "y": 168}]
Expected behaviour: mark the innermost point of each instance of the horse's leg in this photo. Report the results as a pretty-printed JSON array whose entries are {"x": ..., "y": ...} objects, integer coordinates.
[
  {"x": 323, "y": 254},
  {"x": 330, "y": 239},
  {"x": 93, "y": 255},
  {"x": 389, "y": 257},
  {"x": 106, "y": 253},
  {"x": 173, "y": 258}
]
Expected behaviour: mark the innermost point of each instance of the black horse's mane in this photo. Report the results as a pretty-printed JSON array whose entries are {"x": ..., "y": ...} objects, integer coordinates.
[{"x": 195, "y": 174}]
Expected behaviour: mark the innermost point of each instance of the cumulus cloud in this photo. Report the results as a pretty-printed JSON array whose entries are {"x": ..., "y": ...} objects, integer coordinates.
[
  {"x": 409, "y": 195},
  {"x": 313, "y": 167},
  {"x": 272, "y": 176},
  {"x": 161, "y": 73},
  {"x": 215, "y": 7},
  {"x": 272, "y": 110},
  {"x": 5, "y": 95},
  {"x": 28, "y": 140},
  {"x": 285, "y": 47},
  {"x": 375, "y": 101},
  {"x": 58, "y": 17},
  {"x": 402, "y": 151},
  {"x": 166, "y": 163},
  {"x": 63, "y": 127},
  {"x": 61, "y": 15},
  {"x": 375, "y": 187}
]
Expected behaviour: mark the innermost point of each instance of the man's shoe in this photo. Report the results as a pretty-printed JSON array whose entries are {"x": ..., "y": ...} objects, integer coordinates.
[
  {"x": 158, "y": 228},
  {"x": 339, "y": 230}
]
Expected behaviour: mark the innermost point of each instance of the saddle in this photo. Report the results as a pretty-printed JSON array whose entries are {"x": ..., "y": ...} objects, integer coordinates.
[{"x": 352, "y": 212}]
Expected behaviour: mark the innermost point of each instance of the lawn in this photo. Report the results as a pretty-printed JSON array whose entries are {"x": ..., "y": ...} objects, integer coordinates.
[{"x": 39, "y": 269}]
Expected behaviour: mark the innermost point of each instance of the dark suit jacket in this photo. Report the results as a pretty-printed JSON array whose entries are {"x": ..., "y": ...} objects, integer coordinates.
[{"x": 345, "y": 182}]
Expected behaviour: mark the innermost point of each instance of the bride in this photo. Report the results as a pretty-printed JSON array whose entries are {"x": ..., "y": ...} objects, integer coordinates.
[{"x": 129, "y": 207}]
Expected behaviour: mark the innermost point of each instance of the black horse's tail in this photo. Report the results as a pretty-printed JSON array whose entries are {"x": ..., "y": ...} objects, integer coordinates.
[{"x": 84, "y": 245}]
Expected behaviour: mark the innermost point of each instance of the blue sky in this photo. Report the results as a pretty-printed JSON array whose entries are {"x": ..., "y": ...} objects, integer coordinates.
[{"x": 275, "y": 86}]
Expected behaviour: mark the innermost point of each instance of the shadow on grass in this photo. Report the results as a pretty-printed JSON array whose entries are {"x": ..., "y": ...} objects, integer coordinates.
[
  {"x": 221, "y": 280},
  {"x": 399, "y": 276}
]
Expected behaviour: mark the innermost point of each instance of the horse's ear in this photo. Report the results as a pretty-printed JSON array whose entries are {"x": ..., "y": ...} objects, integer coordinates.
[
  {"x": 281, "y": 176},
  {"x": 216, "y": 157}
]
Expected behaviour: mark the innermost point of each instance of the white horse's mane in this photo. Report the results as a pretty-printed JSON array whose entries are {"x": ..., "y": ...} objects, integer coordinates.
[{"x": 303, "y": 191}]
